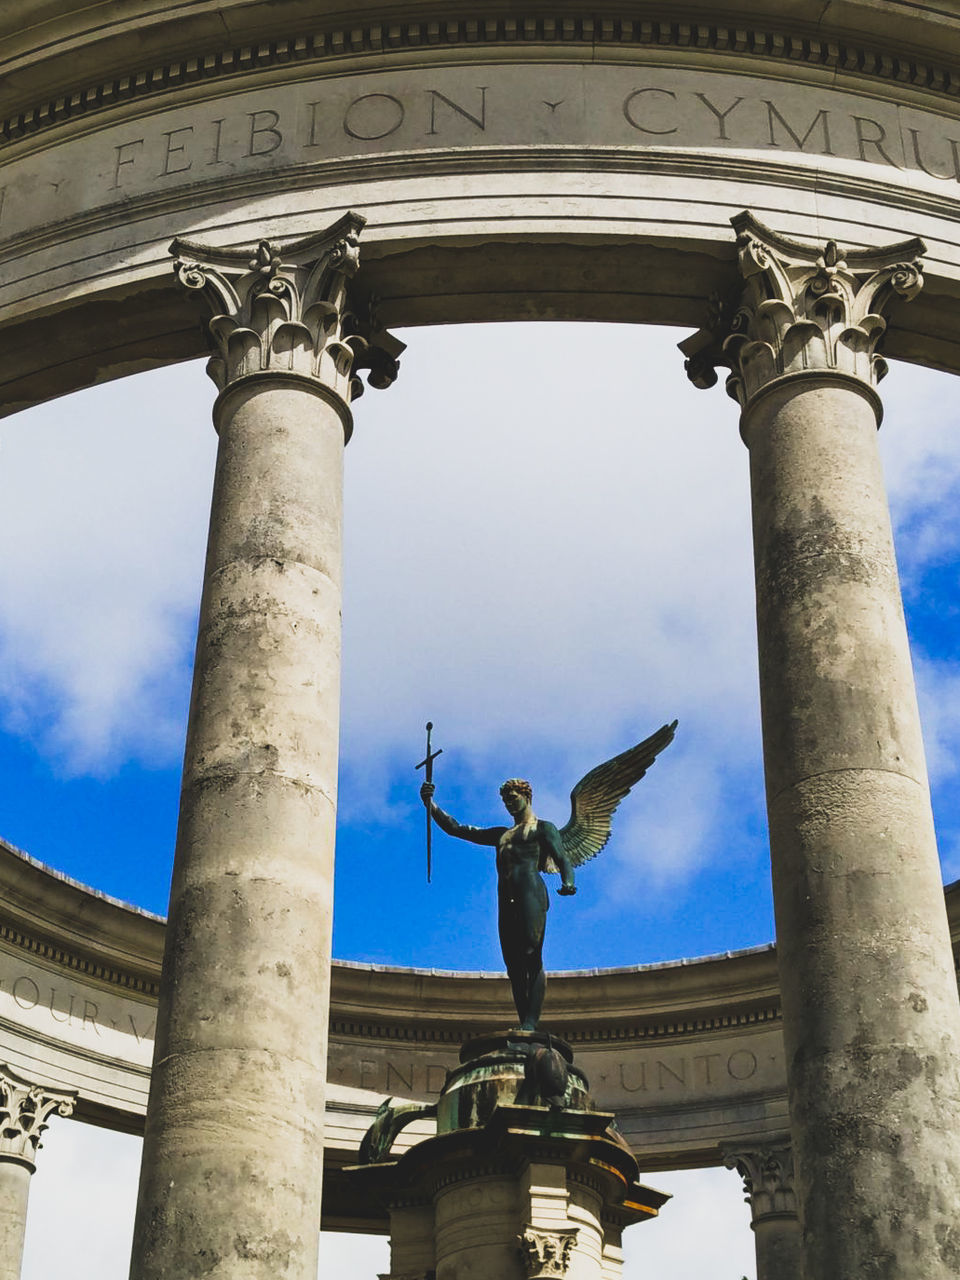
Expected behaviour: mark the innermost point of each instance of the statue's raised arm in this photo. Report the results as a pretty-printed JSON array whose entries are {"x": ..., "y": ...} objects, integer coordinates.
[
  {"x": 451, "y": 827},
  {"x": 594, "y": 800}
]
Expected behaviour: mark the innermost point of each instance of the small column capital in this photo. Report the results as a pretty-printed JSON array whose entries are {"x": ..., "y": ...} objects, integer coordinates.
[
  {"x": 767, "y": 1172},
  {"x": 25, "y": 1108},
  {"x": 547, "y": 1253},
  {"x": 284, "y": 309},
  {"x": 802, "y": 310}
]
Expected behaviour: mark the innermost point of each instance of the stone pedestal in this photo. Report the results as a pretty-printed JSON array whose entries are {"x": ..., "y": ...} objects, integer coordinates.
[
  {"x": 233, "y": 1148},
  {"x": 870, "y": 1010},
  {"x": 25, "y": 1108},
  {"x": 510, "y": 1187}
]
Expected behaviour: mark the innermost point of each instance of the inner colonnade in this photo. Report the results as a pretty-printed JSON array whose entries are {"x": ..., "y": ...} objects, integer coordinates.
[{"x": 314, "y": 180}]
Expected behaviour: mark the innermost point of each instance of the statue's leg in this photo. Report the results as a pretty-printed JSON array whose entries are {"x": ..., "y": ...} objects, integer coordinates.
[
  {"x": 536, "y": 984},
  {"x": 511, "y": 945},
  {"x": 534, "y": 920}
]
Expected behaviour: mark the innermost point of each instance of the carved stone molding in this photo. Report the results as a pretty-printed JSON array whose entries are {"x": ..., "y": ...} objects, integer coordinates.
[
  {"x": 547, "y": 1253},
  {"x": 284, "y": 309},
  {"x": 801, "y": 310},
  {"x": 767, "y": 1172},
  {"x": 375, "y": 39},
  {"x": 25, "y": 1108}
]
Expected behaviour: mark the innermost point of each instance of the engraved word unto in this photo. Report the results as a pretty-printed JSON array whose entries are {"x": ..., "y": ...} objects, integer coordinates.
[{"x": 699, "y": 1070}]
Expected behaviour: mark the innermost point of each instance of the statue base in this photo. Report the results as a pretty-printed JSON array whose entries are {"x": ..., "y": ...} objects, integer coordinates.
[
  {"x": 507, "y": 1067},
  {"x": 524, "y": 1178}
]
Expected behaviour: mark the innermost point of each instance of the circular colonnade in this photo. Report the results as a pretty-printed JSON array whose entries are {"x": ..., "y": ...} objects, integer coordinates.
[{"x": 327, "y": 174}]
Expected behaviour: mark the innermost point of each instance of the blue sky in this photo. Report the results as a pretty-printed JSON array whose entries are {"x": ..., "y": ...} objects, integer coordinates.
[{"x": 547, "y": 554}]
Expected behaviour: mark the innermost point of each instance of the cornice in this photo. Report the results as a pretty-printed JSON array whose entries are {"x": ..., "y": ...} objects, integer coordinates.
[
  {"x": 584, "y": 1036},
  {"x": 83, "y": 965},
  {"x": 364, "y": 42}
]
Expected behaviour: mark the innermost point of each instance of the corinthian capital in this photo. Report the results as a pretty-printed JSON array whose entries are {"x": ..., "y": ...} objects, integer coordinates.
[
  {"x": 547, "y": 1253},
  {"x": 801, "y": 310},
  {"x": 284, "y": 308},
  {"x": 767, "y": 1172},
  {"x": 24, "y": 1110}
]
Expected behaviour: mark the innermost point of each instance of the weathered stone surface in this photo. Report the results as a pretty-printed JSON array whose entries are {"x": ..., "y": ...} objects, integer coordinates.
[
  {"x": 233, "y": 1148},
  {"x": 871, "y": 1017}
]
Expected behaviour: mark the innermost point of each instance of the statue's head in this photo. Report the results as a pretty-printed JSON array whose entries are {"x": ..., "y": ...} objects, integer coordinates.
[{"x": 515, "y": 793}]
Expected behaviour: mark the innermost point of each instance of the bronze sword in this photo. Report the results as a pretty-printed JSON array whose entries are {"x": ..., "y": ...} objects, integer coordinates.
[{"x": 428, "y": 762}]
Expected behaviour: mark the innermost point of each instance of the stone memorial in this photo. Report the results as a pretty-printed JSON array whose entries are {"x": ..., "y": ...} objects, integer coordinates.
[{"x": 783, "y": 179}]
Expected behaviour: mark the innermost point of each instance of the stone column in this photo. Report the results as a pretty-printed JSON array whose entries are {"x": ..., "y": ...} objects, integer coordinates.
[
  {"x": 871, "y": 1017},
  {"x": 767, "y": 1172},
  {"x": 233, "y": 1150},
  {"x": 25, "y": 1108}
]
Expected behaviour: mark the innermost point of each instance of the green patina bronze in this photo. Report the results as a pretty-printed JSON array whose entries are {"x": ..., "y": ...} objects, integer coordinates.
[{"x": 532, "y": 846}]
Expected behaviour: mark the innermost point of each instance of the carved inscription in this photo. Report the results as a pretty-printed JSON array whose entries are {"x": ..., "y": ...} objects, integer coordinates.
[
  {"x": 72, "y": 1014},
  {"x": 648, "y": 112},
  {"x": 678, "y": 1073},
  {"x": 417, "y": 1077},
  {"x": 369, "y": 117},
  {"x": 630, "y": 109},
  {"x": 629, "y": 1079}
]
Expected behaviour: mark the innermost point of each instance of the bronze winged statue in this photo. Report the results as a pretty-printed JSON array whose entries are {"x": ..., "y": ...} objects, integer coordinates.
[{"x": 532, "y": 845}]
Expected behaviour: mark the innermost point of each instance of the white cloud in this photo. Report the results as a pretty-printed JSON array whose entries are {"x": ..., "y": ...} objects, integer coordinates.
[
  {"x": 101, "y": 546},
  {"x": 556, "y": 551},
  {"x": 547, "y": 563},
  {"x": 938, "y": 688},
  {"x": 83, "y": 1199},
  {"x": 920, "y": 447},
  {"x": 550, "y": 567}
]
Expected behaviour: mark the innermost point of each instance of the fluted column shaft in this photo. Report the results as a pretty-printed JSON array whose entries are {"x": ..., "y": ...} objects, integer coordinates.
[
  {"x": 233, "y": 1152},
  {"x": 25, "y": 1108},
  {"x": 871, "y": 1017}
]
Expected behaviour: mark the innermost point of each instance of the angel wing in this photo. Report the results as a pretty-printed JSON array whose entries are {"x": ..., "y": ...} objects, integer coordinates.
[{"x": 594, "y": 800}]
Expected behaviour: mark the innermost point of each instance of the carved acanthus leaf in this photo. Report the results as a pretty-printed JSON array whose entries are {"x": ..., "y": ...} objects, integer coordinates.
[
  {"x": 767, "y": 1172},
  {"x": 801, "y": 309},
  {"x": 547, "y": 1253},
  {"x": 25, "y": 1108},
  {"x": 285, "y": 309}
]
